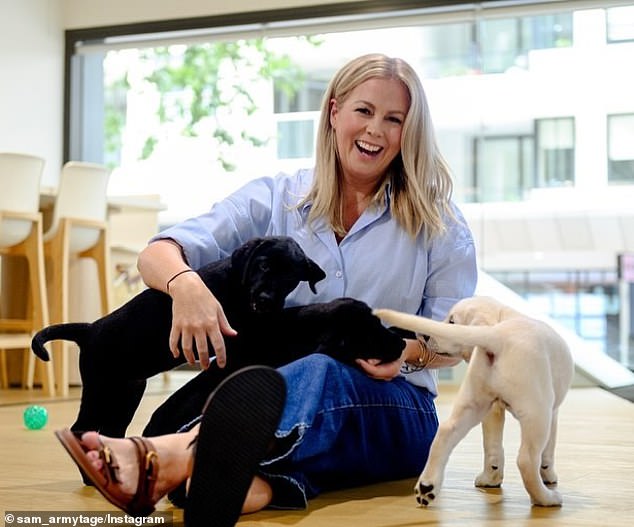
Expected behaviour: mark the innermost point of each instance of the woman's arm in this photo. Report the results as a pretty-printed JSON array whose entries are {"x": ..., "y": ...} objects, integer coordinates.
[
  {"x": 159, "y": 261},
  {"x": 196, "y": 313}
]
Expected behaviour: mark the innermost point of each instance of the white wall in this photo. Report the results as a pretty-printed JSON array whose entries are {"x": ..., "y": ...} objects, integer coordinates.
[{"x": 31, "y": 80}]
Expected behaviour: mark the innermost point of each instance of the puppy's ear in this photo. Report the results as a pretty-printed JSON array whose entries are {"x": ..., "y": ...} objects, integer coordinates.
[
  {"x": 466, "y": 315},
  {"x": 308, "y": 269},
  {"x": 314, "y": 274},
  {"x": 242, "y": 257},
  {"x": 474, "y": 319}
]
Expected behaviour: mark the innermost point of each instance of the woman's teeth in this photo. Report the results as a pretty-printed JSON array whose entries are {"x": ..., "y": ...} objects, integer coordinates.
[{"x": 367, "y": 147}]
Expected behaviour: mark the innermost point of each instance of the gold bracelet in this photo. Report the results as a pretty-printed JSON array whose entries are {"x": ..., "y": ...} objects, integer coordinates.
[{"x": 420, "y": 361}]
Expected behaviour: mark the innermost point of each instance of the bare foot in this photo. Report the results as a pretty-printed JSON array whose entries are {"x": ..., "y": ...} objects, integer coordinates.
[{"x": 173, "y": 452}]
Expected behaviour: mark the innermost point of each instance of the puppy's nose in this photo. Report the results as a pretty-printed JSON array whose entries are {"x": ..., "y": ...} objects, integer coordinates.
[{"x": 264, "y": 303}]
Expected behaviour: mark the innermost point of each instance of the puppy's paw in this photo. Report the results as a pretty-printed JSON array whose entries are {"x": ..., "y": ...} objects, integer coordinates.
[
  {"x": 424, "y": 492},
  {"x": 548, "y": 475},
  {"x": 547, "y": 498},
  {"x": 490, "y": 477}
]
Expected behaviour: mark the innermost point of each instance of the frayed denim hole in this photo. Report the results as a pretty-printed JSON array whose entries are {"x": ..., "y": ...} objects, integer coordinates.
[
  {"x": 285, "y": 444},
  {"x": 188, "y": 426}
]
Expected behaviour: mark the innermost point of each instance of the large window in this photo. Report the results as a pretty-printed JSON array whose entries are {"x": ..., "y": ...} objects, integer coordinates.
[
  {"x": 506, "y": 43},
  {"x": 555, "y": 152},
  {"x": 504, "y": 168},
  {"x": 621, "y": 148},
  {"x": 620, "y": 24},
  {"x": 490, "y": 45},
  {"x": 516, "y": 99},
  {"x": 296, "y": 114}
]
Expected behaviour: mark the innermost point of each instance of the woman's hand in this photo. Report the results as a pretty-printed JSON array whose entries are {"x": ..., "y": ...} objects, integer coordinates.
[
  {"x": 416, "y": 352},
  {"x": 388, "y": 370},
  {"x": 196, "y": 316},
  {"x": 381, "y": 371}
]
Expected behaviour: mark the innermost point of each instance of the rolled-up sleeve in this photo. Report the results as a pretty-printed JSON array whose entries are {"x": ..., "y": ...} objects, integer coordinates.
[
  {"x": 453, "y": 272},
  {"x": 231, "y": 222}
]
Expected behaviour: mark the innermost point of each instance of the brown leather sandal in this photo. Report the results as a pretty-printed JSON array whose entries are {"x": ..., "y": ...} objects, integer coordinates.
[{"x": 107, "y": 481}]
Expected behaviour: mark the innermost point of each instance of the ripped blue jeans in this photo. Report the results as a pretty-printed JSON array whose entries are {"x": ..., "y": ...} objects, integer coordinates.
[{"x": 342, "y": 429}]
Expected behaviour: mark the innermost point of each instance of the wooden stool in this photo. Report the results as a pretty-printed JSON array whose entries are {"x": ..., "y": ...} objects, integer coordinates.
[
  {"x": 21, "y": 236},
  {"x": 79, "y": 229}
]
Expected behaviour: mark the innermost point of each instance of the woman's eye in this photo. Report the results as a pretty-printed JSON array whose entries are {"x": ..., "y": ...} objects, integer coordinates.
[
  {"x": 395, "y": 120},
  {"x": 364, "y": 111}
]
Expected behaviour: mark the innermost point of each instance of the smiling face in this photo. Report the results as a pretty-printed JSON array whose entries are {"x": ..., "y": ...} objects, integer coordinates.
[{"x": 368, "y": 126}]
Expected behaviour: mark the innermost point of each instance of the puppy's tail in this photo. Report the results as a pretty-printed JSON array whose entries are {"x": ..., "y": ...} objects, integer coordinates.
[
  {"x": 452, "y": 337},
  {"x": 75, "y": 331}
]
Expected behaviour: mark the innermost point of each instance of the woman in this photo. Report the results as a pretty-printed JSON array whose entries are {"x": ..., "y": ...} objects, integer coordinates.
[{"x": 375, "y": 214}]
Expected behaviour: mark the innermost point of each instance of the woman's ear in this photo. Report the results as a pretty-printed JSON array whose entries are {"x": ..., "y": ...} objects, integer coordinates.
[{"x": 333, "y": 112}]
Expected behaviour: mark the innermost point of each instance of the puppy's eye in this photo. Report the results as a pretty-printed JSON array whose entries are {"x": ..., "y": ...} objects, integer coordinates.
[
  {"x": 264, "y": 266},
  {"x": 451, "y": 320}
]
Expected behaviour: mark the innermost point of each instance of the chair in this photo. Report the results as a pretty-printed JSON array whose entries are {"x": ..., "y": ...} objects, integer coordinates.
[
  {"x": 21, "y": 236},
  {"x": 78, "y": 229}
]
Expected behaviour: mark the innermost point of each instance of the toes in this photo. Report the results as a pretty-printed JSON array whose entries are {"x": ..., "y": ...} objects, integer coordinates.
[
  {"x": 92, "y": 443},
  {"x": 91, "y": 440},
  {"x": 95, "y": 459}
]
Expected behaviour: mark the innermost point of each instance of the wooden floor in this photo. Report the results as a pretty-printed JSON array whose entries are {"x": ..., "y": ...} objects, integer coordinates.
[{"x": 595, "y": 464}]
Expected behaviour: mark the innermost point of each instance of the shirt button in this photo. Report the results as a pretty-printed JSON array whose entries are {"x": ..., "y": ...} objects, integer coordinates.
[{"x": 338, "y": 274}]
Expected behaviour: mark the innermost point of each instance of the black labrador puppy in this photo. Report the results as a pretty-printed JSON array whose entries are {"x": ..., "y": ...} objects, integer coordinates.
[
  {"x": 120, "y": 351},
  {"x": 344, "y": 329}
]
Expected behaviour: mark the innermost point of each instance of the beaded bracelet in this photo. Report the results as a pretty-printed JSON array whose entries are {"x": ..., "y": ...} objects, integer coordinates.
[{"x": 167, "y": 285}]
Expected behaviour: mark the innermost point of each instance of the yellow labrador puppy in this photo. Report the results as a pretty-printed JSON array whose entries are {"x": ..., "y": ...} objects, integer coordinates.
[{"x": 515, "y": 363}]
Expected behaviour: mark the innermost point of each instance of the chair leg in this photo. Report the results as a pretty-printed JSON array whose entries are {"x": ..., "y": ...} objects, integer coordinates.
[
  {"x": 38, "y": 306},
  {"x": 28, "y": 358},
  {"x": 4, "y": 374},
  {"x": 100, "y": 252},
  {"x": 57, "y": 250}
]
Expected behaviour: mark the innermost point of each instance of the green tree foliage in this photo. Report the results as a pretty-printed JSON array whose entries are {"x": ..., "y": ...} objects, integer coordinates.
[
  {"x": 114, "y": 118},
  {"x": 198, "y": 84}
]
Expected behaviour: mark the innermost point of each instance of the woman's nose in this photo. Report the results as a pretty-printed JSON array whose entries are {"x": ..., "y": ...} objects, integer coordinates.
[{"x": 374, "y": 128}]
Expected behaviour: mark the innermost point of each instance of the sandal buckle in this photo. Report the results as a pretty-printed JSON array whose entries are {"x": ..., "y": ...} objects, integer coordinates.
[{"x": 150, "y": 459}]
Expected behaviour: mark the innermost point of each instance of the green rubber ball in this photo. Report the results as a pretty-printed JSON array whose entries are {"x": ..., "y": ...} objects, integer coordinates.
[{"x": 35, "y": 417}]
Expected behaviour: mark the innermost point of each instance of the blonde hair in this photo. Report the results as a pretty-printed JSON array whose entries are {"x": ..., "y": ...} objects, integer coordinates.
[{"x": 420, "y": 179}]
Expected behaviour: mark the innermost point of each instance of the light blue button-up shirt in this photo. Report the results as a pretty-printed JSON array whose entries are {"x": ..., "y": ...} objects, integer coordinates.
[{"x": 377, "y": 261}]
